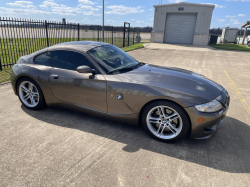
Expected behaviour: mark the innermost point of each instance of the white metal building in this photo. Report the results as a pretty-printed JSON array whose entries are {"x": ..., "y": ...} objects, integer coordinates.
[{"x": 182, "y": 23}]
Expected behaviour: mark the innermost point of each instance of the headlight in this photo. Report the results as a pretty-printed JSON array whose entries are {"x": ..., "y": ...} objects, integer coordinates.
[{"x": 212, "y": 106}]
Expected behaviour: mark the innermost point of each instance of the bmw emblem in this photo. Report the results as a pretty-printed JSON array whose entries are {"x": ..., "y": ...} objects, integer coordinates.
[{"x": 119, "y": 97}]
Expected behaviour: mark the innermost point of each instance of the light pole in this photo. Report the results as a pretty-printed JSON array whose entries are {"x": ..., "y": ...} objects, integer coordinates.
[{"x": 103, "y": 22}]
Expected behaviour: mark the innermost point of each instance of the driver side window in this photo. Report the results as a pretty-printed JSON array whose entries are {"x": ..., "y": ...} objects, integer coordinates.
[{"x": 68, "y": 60}]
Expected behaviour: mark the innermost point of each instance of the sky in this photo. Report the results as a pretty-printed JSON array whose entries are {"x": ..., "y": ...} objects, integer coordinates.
[{"x": 232, "y": 13}]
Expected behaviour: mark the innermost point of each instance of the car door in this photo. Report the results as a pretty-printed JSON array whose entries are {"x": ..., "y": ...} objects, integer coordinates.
[{"x": 73, "y": 87}]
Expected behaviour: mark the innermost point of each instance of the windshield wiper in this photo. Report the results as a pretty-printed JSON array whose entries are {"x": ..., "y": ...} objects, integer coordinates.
[
  {"x": 139, "y": 63},
  {"x": 121, "y": 69}
]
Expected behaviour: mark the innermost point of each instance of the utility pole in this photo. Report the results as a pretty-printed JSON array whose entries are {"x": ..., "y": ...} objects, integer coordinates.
[{"x": 103, "y": 22}]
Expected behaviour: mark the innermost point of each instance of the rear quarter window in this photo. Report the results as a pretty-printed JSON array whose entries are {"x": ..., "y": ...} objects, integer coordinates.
[{"x": 43, "y": 59}]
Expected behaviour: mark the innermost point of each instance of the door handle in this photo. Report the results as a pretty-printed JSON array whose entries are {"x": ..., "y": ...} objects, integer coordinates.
[{"x": 54, "y": 76}]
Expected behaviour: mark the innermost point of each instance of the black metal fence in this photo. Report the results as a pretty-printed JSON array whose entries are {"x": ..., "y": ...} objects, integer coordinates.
[{"x": 20, "y": 37}]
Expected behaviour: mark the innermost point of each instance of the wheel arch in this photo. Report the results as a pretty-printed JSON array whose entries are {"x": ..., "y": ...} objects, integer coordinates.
[
  {"x": 155, "y": 100},
  {"x": 18, "y": 79},
  {"x": 41, "y": 102},
  {"x": 29, "y": 77}
]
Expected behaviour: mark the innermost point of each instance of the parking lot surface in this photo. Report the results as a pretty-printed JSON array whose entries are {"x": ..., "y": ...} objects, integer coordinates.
[{"x": 60, "y": 147}]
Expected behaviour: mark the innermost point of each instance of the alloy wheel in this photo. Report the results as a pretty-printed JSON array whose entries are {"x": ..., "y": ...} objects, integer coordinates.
[
  {"x": 28, "y": 94},
  {"x": 164, "y": 122}
]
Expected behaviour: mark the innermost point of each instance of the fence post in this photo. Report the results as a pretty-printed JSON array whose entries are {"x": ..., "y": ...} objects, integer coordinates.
[
  {"x": 112, "y": 35},
  {"x": 46, "y": 27},
  {"x": 139, "y": 35},
  {"x": 128, "y": 33},
  {"x": 98, "y": 33},
  {"x": 124, "y": 30},
  {"x": 78, "y": 32},
  {"x": 134, "y": 37},
  {"x": 1, "y": 69}
]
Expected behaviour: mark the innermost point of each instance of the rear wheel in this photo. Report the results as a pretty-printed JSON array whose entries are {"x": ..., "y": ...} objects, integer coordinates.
[
  {"x": 165, "y": 121},
  {"x": 30, "y": 94}
]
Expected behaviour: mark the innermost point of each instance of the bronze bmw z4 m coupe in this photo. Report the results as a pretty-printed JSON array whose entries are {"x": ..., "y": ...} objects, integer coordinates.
[{"x": 102, "y": 80}]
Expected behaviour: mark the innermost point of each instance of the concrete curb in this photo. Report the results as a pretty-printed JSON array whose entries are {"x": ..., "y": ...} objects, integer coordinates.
[
  {"x": 4, "y": 83},
  {"x": 145, "y": 45},
  {"x": 228, "y": 50}
]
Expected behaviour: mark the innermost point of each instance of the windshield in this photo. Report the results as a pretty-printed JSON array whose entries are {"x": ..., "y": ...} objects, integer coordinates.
[{"x": 112, "y": 59}]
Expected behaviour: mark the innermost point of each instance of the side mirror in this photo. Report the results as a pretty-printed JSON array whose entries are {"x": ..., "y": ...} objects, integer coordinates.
[{"x": 84, "y": 69}]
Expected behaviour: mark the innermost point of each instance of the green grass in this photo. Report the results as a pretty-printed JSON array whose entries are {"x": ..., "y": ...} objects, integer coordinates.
[
  {"x": 5, "y": 75},
  {"x": 132, "y": 47},
  {"x": 10, "y": 54},
  {"x": 236, "y": 47}
]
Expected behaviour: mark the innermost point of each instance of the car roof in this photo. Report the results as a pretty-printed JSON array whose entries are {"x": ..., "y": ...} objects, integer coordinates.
[{"x": 78, "y": 45}]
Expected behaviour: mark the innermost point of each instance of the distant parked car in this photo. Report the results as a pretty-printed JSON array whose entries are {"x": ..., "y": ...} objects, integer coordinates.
[{"x": 103, "y": 80}]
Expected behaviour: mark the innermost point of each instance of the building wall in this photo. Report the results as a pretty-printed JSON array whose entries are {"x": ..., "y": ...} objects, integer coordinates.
[
  {"x": 202, "y": 23},
  {"x": 201, "y": 39},
  {"x": 157, "y": 37}
]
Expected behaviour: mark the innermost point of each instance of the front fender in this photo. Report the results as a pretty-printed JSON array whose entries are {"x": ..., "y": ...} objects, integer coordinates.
[{"x": 135, "y": 96}]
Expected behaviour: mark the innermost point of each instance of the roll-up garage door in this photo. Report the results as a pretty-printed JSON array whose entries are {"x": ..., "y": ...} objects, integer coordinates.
[{"x": 180, "y": 28}]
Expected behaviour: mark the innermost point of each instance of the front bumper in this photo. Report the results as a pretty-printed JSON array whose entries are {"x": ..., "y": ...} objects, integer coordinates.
[{"x": 211, "y": 122}]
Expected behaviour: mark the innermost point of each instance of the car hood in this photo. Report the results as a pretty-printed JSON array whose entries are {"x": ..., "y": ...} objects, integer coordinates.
[{"x": 172, "y": 81}]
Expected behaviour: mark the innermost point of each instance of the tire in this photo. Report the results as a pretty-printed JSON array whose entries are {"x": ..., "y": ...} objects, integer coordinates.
[
  {"x": 30, "y": 94},
  {"x": 154, "y": 122}
]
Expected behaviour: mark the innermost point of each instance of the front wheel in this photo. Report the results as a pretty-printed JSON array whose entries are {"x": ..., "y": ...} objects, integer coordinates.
[
  {"x": 30, "y": 94},
  {"x": 165, "y": 121}
]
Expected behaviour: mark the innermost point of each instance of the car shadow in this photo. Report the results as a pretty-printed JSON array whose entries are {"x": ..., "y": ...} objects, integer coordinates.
[{"x": 228, "y": 150}]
